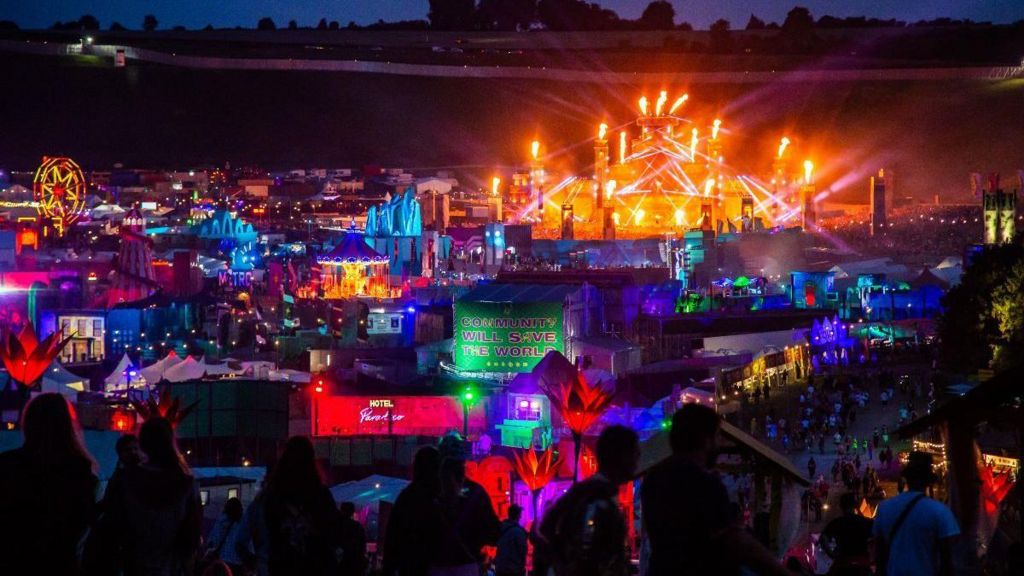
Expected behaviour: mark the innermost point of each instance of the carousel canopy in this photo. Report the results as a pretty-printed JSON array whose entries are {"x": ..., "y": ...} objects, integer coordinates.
[{"x": 353, "y": 248}]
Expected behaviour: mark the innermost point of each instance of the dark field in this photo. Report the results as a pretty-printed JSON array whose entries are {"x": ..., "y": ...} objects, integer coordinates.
[{"x": 931, "y": 134}]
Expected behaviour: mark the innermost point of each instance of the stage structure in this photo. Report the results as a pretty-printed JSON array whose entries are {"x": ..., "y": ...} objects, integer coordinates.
[
  {"x": 999, "y": 208},
  {"x": 670, "y": 177},
  {"x": 877, "y": 193}
]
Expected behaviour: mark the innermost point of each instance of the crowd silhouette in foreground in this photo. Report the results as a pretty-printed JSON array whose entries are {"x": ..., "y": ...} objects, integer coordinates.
[{"x": 148, "y": 520}]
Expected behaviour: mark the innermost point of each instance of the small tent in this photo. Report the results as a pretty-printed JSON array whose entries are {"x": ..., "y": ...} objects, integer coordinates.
[
  {"x": 124, "y": 376},
  {"x": 218, "y": 368},
  {"x": 58, "y": 379},
  {"x": 187, "y": 369},
  {"x": 369, "y": 490},
  {"x": 154, "y": 373}
]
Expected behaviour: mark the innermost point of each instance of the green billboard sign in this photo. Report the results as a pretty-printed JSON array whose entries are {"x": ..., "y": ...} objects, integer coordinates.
[{"x": 505, "y": 337}]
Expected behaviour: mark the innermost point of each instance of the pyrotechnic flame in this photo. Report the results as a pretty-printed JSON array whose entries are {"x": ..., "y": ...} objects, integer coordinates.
[
  {"x": 679, "y": 102},
  {"x": 495, "y": 183},
  {"x": 638, "y": 216},
  {"x": 680, "y": 217},
  {"x": 535, "y": 149},
  {"x": 782, "y": 146},
  {"x": 622, "y": 147},
  {"x": 615, "y": 218},
  {"x": 660, "y": 104},
  {"x": 714, "y": 129},
  {"x": 602, "y": 130},
  {"x": 609, "y": 188},
  {"x": 693, "y": 143},
  {"x": 808, "y": 170},
  {"x": 643, "y": 105},
  {"x": 709, "y": 186}
]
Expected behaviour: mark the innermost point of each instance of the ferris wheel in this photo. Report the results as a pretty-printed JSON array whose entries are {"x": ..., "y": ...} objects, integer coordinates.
[{"x": 59, "y": 189}]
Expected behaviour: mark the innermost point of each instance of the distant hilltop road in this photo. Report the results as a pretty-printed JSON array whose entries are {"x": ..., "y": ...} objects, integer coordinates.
[{"x": 983, "y": 73}]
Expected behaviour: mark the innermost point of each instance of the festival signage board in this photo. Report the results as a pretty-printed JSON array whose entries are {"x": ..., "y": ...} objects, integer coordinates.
[
  {"x": 393, "y": 415},
  {"x": 506, "y": 337}
]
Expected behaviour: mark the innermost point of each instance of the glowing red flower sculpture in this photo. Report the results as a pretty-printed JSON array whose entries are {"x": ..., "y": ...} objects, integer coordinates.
[
  {"x": 164, "y": 407},
  {"x": 26, "y": 358},
  {"x": 579, "y": 403},
  {"x": 588, "y": 463},
  {"x": 993, "y": 488},
  {"x": 536, "y": 472}
]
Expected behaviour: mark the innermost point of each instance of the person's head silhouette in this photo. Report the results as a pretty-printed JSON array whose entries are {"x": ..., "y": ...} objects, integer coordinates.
[{"x": 51, "y": 432}]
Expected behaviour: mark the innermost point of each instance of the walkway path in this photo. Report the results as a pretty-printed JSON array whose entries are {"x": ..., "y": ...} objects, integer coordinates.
[{"x": 872, "y": 416}]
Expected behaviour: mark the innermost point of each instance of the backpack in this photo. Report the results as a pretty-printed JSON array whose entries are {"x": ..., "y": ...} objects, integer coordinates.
[{"x": 587, "y": 534}]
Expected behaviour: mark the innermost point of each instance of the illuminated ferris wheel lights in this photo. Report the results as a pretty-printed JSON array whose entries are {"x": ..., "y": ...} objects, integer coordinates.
[{"x": 59, "y": 189}]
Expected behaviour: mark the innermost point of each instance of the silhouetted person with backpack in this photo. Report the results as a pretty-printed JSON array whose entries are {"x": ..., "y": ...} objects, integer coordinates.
[
  {"x": 302, "y": 521},
  {"x": 152, "y": 514},
  {"x": 407, "y": 537},
  {"x": 585, "y": 532},
  {"x": 47, "y": 492},
  {"x": 845, "y": 540},
  {"x": 510, "y": 559},
  {"x": 462, "y": 520},
  {"x": 225, "y": 536},
  {"x": 353, "y": 542}
]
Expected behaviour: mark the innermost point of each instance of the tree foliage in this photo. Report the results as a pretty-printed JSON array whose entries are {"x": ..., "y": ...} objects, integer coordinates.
[
  {"x": 755, "y": 23},
  {"x": 506, "y": 14},
  {"x": 659, "y": 15},
  {"x": 1008, "y": 311},
  {"x": 575, "y": 15},
  {"x": 982, "y": 324},
  {"x": 721, "y": 37},
  {"x": 798, "y": 20},
  {"x": 149, "y": 23},
  {"x": 452, "y": 14},
  {"x": 88, "y": 22},
  {"x": 266, "y": 23}
]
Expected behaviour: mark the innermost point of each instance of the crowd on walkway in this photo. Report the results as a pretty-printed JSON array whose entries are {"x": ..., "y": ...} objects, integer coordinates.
[
  {"x": 148, "y": 519},
  {"x": 825, "y": 409}
]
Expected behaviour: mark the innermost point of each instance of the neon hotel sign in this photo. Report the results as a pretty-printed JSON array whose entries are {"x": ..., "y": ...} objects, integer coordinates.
[
  {"x": 397, "y": 415},
  {"x": 372, "y": 413}
]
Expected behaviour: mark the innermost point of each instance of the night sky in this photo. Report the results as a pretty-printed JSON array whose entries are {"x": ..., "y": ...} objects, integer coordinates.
[{"x": 230, "y": 13}]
